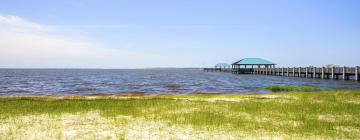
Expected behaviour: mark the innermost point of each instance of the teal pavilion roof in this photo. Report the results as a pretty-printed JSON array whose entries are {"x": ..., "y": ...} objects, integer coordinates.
[{"x": 253, "y": 61}]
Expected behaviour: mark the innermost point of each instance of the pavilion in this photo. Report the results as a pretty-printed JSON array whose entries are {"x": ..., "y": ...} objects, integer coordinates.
[{"x": 252, "y": 63}]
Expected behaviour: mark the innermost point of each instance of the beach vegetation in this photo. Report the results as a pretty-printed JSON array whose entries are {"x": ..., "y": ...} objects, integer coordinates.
[
  {"x": 297, "y": 115},
  {"x": 291, "y": 88}
]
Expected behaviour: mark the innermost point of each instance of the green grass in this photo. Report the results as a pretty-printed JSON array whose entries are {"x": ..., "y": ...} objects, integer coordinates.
[
  {"x": 301, "y": 115},
  {"x": 291, "y": 88}
]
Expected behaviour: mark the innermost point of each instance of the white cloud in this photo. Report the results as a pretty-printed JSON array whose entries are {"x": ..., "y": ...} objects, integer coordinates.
[
  {"x": 17, "y": 24},
  {"x": 27, "y": 44}
]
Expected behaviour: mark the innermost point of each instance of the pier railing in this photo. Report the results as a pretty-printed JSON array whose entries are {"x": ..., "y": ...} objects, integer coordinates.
[
  {"x": 217, "y": 69},
  {"x": 344, "y": 73}
]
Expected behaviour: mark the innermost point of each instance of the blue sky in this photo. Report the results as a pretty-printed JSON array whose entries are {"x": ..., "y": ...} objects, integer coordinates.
[{"x": 177, "y": 33}]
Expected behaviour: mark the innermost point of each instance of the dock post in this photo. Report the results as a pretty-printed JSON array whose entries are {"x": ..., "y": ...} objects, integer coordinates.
[
  {"x": 282, "y": 71},
  {"x": 238, "y": 69},
  {"x": 306, "y": 73},
  {"x": 322, "y": 73},
  {"x": 262, "y": 71},
  {"x": 266, "y": 71},
  {"x": 269, "y": 71},
  {"x": 259, "y": 71},
  {"x": 357, "y": 78},
  {"x": 299, "y": 71},
  {"x": 278, "y": 70},
  {"x": 344, "y": 73},
  {"x": 287, "y": 71},
  {"x": 332, "y": 73},
  {"x": 273, "y": 71},
  {"x": 294, "y": 72},
  {"x": 314, "y": 73}
]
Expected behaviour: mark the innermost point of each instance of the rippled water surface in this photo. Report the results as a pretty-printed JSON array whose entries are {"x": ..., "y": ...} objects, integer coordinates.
[{"x": 23, "y": 82}]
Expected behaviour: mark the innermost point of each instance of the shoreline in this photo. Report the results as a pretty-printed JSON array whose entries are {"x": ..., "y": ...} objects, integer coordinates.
[
  {"x": 136, "y": 94},
  {"x": 144, "y": 94}
]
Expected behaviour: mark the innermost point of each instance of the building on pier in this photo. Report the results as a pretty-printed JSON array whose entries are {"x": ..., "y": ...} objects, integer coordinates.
[
  {"x": 247, "y": 65},
  {"x": 253, "y": 63}
]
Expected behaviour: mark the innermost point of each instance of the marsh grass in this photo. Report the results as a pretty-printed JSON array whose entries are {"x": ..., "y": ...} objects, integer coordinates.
[
  {"x": 299, "y": 115},
  {"x": 291, "y": 88}
]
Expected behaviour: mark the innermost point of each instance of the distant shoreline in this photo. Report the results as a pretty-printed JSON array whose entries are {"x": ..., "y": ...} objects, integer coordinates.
[{"x": 98, "y": 68}]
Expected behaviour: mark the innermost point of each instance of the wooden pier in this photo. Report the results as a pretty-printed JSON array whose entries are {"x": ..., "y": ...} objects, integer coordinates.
[
  {"x": 335, "y": 73},
  {"x": 217, "y": 69}
]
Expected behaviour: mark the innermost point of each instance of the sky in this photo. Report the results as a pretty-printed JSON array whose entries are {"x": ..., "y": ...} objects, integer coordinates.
[{"x": 177, "y": 33}]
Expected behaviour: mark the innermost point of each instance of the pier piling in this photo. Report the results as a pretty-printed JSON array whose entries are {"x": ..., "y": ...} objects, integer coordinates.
[
  {"x": 294, "y": 72},
  {"x": 287, "y": 72},
  {"x": 344, "y": 73},
  {"x": 332, "y": 73},
  {"x": 357, "y": 78}
]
